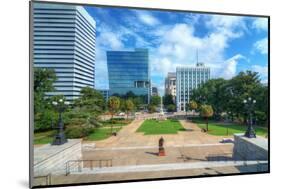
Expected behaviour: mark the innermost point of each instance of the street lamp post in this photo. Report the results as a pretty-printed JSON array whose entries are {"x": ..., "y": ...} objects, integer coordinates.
[
  {"x": 60, "y": 138},
  {"x": 249, "y": 104}
]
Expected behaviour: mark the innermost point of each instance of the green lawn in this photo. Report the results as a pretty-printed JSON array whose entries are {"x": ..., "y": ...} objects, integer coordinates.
[
  {"x": 101, "y": 133},
  {"x": 220, "y": 129},
  {"x": 155, "y": 127},
  {"x": 44, "y": 137},
  {"x": 116, "y": 123}
]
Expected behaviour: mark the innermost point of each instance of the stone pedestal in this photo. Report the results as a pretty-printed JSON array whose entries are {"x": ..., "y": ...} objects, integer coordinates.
[
  {"x": 52, "y": 158},
  {"x": 161, "y": 152},
  {"x": 250, "y": 148}
]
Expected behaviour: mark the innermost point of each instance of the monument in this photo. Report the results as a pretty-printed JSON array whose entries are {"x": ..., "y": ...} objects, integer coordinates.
[{"x": 161, "y": 147}]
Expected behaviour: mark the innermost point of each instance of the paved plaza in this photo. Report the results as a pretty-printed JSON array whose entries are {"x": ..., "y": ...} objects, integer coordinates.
[
  {"x": 128, "y": 137},
  {"x": 134, "y": 155}
]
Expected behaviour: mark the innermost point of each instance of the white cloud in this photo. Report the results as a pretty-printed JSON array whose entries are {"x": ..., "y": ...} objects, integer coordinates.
[
  {"x": 179, "y": 43},
  {"x": 229, "y": 66},
  {"x": 147, "y": 18},
  {"x": 174, "y": 45},
  {"x": 260, "y": 24},
  {"x": 262, "y": 70},
  {"x": 110, "y": 40},
  {"x": 261, "y": 46}
]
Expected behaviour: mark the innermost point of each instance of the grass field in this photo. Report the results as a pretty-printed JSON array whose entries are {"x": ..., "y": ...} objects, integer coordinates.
[
  {"x": 221, "y": 129},
  {"x": 155, "y": 127},
  {"x": 101, "y": 133},
  {"x": 43, "y": 137}
]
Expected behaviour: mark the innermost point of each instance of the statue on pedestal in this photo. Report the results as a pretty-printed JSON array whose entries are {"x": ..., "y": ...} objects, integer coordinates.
[{"x": 161, "y": 147}]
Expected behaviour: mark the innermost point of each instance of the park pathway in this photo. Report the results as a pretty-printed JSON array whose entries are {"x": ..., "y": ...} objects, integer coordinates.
[{"x": 128, "y": 137}]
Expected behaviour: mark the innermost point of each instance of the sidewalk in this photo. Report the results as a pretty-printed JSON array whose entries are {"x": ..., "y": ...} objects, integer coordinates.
[{"x": 128, "y": 137}]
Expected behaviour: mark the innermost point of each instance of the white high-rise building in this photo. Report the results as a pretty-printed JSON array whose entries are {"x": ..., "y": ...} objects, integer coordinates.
[
  {"x": 64, "y": 40},
  {"x": 189, "y": 78},
  {"x": 170, "y": 85}
]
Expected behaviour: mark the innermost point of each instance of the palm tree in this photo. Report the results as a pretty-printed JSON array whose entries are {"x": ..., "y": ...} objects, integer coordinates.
[
  {"x": 206, "y": 112},
  {"x": 113, "y": 106},
  {"x": 129, "y": 106},
  {"x": 193, "y": 105}
]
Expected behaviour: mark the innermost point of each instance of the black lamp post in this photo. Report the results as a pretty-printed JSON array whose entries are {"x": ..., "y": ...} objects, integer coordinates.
[
  {"x": 249, "y": 105},
  {"x": 60, "y": 106}
]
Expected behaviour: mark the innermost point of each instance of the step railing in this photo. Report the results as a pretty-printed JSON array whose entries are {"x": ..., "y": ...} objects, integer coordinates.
[{"x": 79, "y": 164}]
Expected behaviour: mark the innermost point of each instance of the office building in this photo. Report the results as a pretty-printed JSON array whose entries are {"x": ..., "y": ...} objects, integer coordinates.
[
  {"x": 154, "y": 91},
  {"x": 129, "y": 71},
  {"x": 64, "y": 40},
  {"x": 189, "y": 78},
  {"x": 104, "y": 93},
  {"x": 170, "y": 85}
]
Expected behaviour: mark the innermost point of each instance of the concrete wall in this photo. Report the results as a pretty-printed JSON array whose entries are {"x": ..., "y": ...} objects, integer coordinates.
[{"x": 250, "y": 148}]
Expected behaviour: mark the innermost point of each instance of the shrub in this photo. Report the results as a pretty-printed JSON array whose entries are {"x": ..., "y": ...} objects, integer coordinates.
[
  {"x": 171, "y": 108},
  {"x": 44, "y": 121},
  {"x": 78, "y": 131}
]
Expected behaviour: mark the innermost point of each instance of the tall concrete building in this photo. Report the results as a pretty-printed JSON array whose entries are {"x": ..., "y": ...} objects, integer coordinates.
[
  {"x": 129, "y": 71},
  {"x": 189, "y": 78},
  {"x": 64, "y": 40},
  {"x": 154, "y": 91},
  {"x": 170, "y": 85}
]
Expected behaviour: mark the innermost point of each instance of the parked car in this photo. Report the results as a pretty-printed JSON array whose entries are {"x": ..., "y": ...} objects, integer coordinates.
[{"x": 121, "y": 114}]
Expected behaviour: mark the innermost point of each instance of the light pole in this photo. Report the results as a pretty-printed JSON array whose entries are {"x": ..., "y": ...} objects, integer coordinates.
[
  {"x": 249, "y": 105},
  {"x": 60, "y": 106}
]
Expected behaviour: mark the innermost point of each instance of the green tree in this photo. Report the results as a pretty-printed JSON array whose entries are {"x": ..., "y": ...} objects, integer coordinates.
[
  {"x": 193, "y": 105},
  {"x": 155, "y": 100},
  {"x": 167, "y": 100},
  {"x": 212, "y": 92},
  {"x": 206, "y": 111},
  {"x": 113, "y": 106},
  {"x": 43, "y": 113},
  {"x": 171, "y": 108},
  {"x": 88, "y": 107},
  {"x": 151, "y": 108},
  {"x": 129, "y": 106}
]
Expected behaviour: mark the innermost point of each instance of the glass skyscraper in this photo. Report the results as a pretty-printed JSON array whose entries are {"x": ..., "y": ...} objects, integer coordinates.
[
  {"x": 189, "y": 78},
  {"x": 129, "y": 71},
  {"x": 64, "y": 40}
]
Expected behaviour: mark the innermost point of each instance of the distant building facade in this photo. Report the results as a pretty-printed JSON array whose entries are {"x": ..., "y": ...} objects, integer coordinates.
[
  {"x": 64, "y": 40},
  {"x": 154, "y": 91},
  {"x": 105, "y": 93},
  {"x": 129, "y": 71},
  {"x": 170, "y": 85},
  {"x": 189, "y": 78}
]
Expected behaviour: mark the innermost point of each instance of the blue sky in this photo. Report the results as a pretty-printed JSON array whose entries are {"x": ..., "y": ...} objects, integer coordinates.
[{"x": 227, "y": 44}]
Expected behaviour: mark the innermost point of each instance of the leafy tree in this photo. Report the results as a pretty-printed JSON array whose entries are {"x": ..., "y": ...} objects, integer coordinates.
[
  {"x": 113, "y": 106},
  {"x": 130, "y": 94},
  {"x": 88, "y": 107},
  {"x": 155, "y": 100},
  {"x": 228, "y": 95},
  {"x": 167, "y": 100},
  {"x": 193, "y": 105},
  {"x": 212, "y": 92},
  {"x": 151, "y": 108},
  {"x": 43, "y": 83},
  {"x": 206, "y": 112},
  {"x": 171, "y": 108},
  {"x": 129, "y": 106}
]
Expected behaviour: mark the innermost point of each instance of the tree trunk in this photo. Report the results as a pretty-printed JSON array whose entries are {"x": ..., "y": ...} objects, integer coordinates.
[
  {"x": 111, "y": 123},
  {"x": 127, "y": 115},
  {"x": 207, "y": 124}
]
